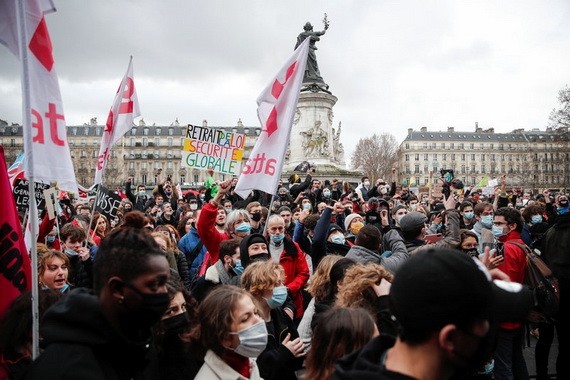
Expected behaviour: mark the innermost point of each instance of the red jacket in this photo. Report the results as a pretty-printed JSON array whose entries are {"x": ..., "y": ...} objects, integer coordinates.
[
  {"x": 514, "y": 265},
  {"x": 293, "y": 261},
  {"x": 210, "y": 236}
]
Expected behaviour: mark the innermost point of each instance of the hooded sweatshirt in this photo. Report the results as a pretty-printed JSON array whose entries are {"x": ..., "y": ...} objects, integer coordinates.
[{"x": 81, "y": 344}]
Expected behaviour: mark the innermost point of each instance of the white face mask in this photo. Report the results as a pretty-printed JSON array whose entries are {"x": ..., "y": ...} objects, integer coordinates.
[{"x": 252, "y": 340}]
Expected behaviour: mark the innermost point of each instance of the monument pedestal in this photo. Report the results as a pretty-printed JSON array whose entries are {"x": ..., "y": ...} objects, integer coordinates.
[{"x": 314, "y": 139}]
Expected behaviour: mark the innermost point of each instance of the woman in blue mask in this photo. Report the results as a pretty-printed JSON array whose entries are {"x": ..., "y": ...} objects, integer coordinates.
[
  {"x": 284, "y": 352},
  {"x": 233, "y": 333},
  {"x": 533, "y": 216}
]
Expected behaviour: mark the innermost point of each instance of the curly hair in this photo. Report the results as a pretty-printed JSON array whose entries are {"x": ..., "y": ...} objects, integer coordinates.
[
  {"x": 355, "y": 289},
  {"x": 261, "y": 276},
  {"x": 320, "y": 280}
]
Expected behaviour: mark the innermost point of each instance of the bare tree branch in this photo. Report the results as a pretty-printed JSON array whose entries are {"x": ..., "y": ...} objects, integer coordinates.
[{"x": 376, "y": 155}]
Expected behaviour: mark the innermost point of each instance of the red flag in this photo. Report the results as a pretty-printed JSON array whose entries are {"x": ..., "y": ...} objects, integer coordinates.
[
  {"x": 15, "y": 267},
  {"x": 276, "y": 108}
]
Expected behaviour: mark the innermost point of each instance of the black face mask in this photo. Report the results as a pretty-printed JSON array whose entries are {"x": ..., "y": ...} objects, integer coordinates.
[
  {"x": 256, "y": 217},
  {"x": 471, "y": 252},
  {"x": 176, "y": 324},
  {"x": 483, "y": 353},
  {"x": 259, "y": 257},
  {"x": 152, "y": 308}
]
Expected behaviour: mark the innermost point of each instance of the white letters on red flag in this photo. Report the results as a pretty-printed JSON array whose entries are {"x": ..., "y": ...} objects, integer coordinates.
[
  {"x": 47, "y": 156},
  {"x": 276, "y": 108},
  {"x": 120, "y": 120}
]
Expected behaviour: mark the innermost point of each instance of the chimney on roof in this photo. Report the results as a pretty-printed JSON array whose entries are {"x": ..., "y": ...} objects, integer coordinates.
[
  {"x": 423, "y": 129},
  {"x": 450, "y": 129},
  {"x": 204, "y": 123},
  {"x": 477, "y": 128},
  {"x": 410, "y": 130}
]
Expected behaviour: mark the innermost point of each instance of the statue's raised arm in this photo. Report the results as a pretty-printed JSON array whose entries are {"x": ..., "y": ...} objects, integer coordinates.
[{"x": 312, "y": 73}]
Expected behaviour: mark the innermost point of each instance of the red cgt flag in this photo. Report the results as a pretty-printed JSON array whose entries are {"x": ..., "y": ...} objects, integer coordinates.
[{"x": 15, "y": 267}]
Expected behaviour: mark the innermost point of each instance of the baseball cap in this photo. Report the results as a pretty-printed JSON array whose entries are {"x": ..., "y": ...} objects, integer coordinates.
[
  {"x": 412, "y": 221},
  {"x": 444, "y": 286}
]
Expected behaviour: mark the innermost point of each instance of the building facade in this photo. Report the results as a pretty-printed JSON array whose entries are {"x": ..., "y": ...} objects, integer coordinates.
[
  {"x": 141, "y": 153},
  {"x": 531, "y": 159}
]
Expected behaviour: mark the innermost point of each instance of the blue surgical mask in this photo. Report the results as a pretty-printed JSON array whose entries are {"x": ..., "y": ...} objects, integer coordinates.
[
  {"x": 252, "y": 340},
  {"x": 326, "y": 194},
  {"x": 497, "y": 231},
  {"x": 536, "y": 219},
  {"x": 238, "y": 268},
  {"x": 277, "y": 239},
  {"x": 50, "y": 239},
  {"x": 278, "y": 298},
  {"x": 338, "y": 239},
  {"x": 487, "y": 221},
  {"x": 469, "y": 215},
  {"x": 243, "y": 227}
]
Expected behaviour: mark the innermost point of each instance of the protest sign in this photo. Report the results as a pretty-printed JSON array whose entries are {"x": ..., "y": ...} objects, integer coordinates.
[
  {"x": 488, "y": 190},
  {"x": 107, "y": 202},
  {"x": 213, "y": 148},
  {"x": 22, "y": 194}
]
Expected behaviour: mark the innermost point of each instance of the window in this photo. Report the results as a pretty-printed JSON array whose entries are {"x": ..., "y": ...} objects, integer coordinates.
[
  {"x": 492, "y": 146},
  {"x": 143, "y": 166},
  {"x": 143, "y": 179},
  {"x": 407, "y": 156},
  {"x": 12, "y": 142},
  {"x": 482, "y": 157},
  {"x": 170, "y": 141},
  {"x": 417, "y": 169},
  {"x": 145, "y": 141},
  {"x": 442, "y": 145},
  {"x": 473, "y": 157},
  {"x": 435, "y": 156},
  {"x": 83, "y": 142},
  {"x": 463, "y": 157},
  {"x": 472, "y": 146},
  {"x": 451, "y": 146},
  {"x": 182, "y": 178},
  {"x": 425, "y": 145},
  {"x": 452, "y": 156},
  {"x": 492, "y": 157},
  {"x": 170, "y": 131},
  {"x": 133, "y": 131},
  {"x": 132, "y": 165},
  {"x": 444, "y": 156},
  {"x": 157, "y": 131},
  {"x": 425, "y": 156},
  {"x": 407, "y": 146},
  {"x": 157, "y": 141},
  {"x": 169, "y": 165},
  {"x": 461, "y": 146},
  {"x": 145, "y": 131}
]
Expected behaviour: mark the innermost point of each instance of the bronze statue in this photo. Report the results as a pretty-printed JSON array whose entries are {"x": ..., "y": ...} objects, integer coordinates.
[{"x": 312, "y": 76}]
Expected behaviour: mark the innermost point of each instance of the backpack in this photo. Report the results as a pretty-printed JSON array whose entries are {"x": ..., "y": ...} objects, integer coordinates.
[{"x": 544, "y": 286}]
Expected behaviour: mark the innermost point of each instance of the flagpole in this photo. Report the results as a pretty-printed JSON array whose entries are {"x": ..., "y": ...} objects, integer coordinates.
[{"x": 29, "y": 164}]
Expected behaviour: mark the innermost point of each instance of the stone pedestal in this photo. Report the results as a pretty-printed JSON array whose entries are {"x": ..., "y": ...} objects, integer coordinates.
[
  {"x": 313, "y": 137},
  {"x": 316, "y": 140}
]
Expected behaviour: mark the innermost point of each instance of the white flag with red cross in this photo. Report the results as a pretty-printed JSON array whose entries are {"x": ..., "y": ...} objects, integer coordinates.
[
  {"x": 23, "y": 30},
  {"x": 120, "y": 120},
  {"x": 276, "y": 108}
]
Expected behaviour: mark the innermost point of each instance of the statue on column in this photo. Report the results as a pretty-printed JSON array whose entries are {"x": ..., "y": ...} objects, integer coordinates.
[
  {"x": 312, "y": 77},
  {"x": 338, "y": 149},
  {"x": 315, "y": 141}
]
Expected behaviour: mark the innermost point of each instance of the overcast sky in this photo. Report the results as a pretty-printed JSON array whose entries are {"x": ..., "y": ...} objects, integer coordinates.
[{"x": 393, "y": 65}]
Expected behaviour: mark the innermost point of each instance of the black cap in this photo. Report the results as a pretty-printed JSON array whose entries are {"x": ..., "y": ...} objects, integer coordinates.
[
  {"x": 244, "y": 246},
  {"x": 444, "y": 286}
]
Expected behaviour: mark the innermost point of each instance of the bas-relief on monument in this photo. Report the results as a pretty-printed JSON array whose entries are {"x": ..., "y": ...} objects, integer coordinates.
[{"x": 313, "y": 137}]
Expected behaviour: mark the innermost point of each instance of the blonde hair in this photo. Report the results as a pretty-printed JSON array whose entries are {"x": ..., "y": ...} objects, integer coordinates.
[
  {"x": 355, "y": 289},
  {"x": 261, "y": 276},
  {"x": 317, "y": 288},
  {"x": 47, "y": 257}
]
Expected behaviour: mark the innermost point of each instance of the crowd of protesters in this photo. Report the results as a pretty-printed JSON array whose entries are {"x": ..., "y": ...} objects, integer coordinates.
[{"x": 319, "y": 280}]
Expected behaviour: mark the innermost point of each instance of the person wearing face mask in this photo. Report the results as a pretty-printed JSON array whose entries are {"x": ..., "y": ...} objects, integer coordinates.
[
  {"x": 483, "y": 223},
  {"x": 352, "y": 224},
  {"x": 237, "y": 223},
  {"x": 328, "y": 238},
  {"x": 140, "y": 199},
  {"x": 398, "y": 213},
  {"x": 363, "y": 188},
  {"x": 532, "y": 216},
  {"x": 233, "y": 333},
  {"x": 284, "y": 352},
  {"x": 509, "y": 359},
  {"x": 453, "y": 337},
  {"x": 255, "y": 215},
  {"x": 226, "y": 271},
  {"x": 467, "y": 215},
  {"x": 107, "y": 331},
  {"x": 174, "y": 348},
  {"x": 413, "y": 203},
  {"x": 289, "y": 255}
]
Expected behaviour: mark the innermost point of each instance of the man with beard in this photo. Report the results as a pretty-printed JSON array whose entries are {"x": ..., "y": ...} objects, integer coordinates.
[{"x": 453, "y": 334}]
